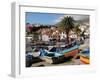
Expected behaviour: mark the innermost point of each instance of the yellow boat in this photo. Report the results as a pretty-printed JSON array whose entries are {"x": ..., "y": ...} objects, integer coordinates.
[
  {"x": 85, "y": 56},
  {"x": 85, "y": 59}
]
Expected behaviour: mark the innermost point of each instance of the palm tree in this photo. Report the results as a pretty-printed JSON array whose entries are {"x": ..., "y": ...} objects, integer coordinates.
[
  {"x": 67, "y": 25},
  {"x": 77, "y": 31},
  {"x": 83, "y": 32}
]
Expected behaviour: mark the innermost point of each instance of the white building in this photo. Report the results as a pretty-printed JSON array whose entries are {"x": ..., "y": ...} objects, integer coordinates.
[
  {"x": 45, "y": 37},
  {"x": 62, "y": 36}
]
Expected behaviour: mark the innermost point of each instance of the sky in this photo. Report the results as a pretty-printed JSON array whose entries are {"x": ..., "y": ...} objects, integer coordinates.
[{"x": 49, "y": 18}]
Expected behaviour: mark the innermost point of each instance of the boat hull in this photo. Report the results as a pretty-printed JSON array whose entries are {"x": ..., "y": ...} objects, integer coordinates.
[
  {"x": 85, "y": 60},
  {"x": 53, "y": 60},
  {"x": 62, "y": 58},
  {"x": 71, "y": 53}
]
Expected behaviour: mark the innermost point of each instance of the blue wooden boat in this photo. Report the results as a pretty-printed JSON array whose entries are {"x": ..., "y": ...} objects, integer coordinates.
[{"x": 57, "y": 55}]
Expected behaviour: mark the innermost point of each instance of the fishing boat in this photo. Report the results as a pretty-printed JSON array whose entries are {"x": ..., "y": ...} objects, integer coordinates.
[
  {"x": 84, "y": 59},
  {"x": 50, "y": 57},
  {"x": 84, "y": 56},
  {"x": 30, "y": 59},
  {"x": 71, "y": 51},
  {"x": 57, "y": 55}
]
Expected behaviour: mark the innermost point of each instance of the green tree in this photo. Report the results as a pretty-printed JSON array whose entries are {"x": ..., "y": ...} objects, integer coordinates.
[
  {"x": 77, "y": 31},
  {"x": 67, "y": 25},
  {"x": 83, "y": 32}
]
